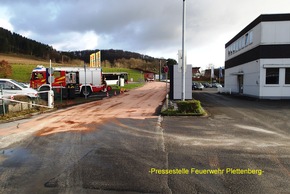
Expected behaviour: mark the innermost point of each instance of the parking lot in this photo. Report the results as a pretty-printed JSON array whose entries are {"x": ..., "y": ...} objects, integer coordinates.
[{"x": 247, "y": 138}]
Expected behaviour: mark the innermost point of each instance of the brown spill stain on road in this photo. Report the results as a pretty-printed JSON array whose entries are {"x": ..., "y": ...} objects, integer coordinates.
[{"x": 139, "y": 103}]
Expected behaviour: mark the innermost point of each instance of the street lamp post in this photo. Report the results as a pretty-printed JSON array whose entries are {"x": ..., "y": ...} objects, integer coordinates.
[
  {"x": 183, "y": 50},
  {"x": 85, "y": 68},
  {"x": 159, "y": 69}
]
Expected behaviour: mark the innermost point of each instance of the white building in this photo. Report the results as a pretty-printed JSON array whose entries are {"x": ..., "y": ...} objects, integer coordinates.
[{"x": 258, "y": 58}]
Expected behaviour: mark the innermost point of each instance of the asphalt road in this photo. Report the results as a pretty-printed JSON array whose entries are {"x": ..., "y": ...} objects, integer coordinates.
[
  {"x": 245, "y": 140},
  {"x": 105, "y": 146},
  {"x": 120, "y": 145}
]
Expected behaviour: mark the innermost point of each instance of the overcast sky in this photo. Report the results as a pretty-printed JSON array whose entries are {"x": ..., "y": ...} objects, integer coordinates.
[{"x": 152, "y": 27}]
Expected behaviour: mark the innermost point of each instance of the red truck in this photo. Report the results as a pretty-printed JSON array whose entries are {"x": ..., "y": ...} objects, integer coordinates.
[{"x": 69, "y": 81}]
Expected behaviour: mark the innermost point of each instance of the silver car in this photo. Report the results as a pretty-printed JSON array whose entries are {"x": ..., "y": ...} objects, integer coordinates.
[{"x": 10, "y": 87}]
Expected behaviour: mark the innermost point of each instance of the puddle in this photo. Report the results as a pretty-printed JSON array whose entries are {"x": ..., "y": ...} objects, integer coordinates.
[{"x": 13, "y": 156}]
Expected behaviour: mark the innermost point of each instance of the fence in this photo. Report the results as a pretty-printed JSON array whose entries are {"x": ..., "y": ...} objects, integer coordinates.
[{"x": 12, "y": 105}]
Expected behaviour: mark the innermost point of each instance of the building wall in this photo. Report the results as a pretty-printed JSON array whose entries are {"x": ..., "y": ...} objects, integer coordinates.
[
  {"x": 275, "y": 32},
  {"x": 250, "y": 70},
  {"x": 251, "y": 78},
  {"x": 269, "y": 48},
  {"x": 274, "y": 91}
]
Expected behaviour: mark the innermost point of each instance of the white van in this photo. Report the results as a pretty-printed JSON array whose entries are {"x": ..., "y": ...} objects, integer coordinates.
[{"x": 11, "y": 87}]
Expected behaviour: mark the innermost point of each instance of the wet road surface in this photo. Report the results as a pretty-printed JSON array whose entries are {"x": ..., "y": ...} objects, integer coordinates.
[
  {"x": 100, "y": 147},
  {"x": 246, "y": 141},
  {"x": 120, "y": 146}
]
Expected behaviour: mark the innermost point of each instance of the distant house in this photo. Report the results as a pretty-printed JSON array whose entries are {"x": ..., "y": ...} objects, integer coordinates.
[
  {"x": 195, "y": 72},
  {"x": 258, "y": 58}
]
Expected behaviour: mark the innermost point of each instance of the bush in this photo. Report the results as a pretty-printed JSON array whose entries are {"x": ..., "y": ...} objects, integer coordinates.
[
  {"x": 6, "y": 69},
  {"x": 192, "y": 106},
  {"x": 185, "y": 108}
]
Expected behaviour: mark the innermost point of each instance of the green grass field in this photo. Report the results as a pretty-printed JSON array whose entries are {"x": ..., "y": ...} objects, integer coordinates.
[
  {"x": 22, "y": 67},
  {"x": 22, "y": 73},
  {"x": 134, "y": 74}
]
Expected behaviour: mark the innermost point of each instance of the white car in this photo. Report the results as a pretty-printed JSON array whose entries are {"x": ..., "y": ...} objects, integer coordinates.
[
  {"x": 216, "y": 85},
  {"x": 10, "y": 87}
]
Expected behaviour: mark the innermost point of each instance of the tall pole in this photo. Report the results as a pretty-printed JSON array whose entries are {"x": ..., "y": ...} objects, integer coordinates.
[
  {"x": 50, "y": 75},
  {"x": 85, "y": 68},
  {"x": 50, "y": 94},
  {"x": 159, "y": 69},
  {"x": 183, "y": 50}
]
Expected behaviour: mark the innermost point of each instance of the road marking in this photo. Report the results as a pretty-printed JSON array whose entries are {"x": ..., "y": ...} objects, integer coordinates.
[{"x": 255, "y": 129}]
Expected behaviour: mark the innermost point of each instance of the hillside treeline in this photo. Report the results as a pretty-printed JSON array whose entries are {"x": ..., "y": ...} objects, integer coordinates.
[
  {"x": 11, "y": 42},
  {"x": 106, "y": 55}
]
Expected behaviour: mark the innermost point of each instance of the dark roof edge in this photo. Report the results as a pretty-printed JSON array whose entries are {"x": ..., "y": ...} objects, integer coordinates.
[{"x": 261, "y": 18}]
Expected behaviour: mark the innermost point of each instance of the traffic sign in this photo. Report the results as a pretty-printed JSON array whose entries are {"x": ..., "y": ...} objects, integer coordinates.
[
  {"x": 165, "y": 69},
  {"x": 50, "y": 71}
]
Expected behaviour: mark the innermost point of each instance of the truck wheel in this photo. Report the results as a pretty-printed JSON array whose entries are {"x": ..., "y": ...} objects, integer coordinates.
[{"x": 86, "y": 93}]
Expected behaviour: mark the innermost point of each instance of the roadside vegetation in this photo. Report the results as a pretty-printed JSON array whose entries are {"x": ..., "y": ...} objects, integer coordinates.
[
  {"x": 21, "y": 72},
  {"x": 184, "y": 108},
  {"x": 6, "y": 69}
]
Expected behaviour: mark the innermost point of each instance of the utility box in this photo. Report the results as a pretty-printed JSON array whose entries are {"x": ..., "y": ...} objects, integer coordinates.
[{"x": 176, "y": 82}]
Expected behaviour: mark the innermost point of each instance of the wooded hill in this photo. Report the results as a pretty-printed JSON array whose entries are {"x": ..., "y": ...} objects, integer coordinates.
[{"x": 11, "y": 42}]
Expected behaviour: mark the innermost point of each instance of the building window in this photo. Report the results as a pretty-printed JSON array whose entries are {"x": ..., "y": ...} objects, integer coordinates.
[
  {"x": 247, "y": 39},
  {"x": 250, "y": 38},
  {"x": 272, "y": 76},
  {"x": 287, "y": 76},
  {"x": 241, "y": 43}
]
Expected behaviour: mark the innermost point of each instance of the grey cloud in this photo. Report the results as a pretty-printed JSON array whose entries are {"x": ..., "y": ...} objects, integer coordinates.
[
  {"x": 138, "y": 25},
  {"x": 126, "y": 21}
]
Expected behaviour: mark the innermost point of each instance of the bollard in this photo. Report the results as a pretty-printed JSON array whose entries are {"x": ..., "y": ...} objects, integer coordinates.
[{"x": 50, "y": 99}]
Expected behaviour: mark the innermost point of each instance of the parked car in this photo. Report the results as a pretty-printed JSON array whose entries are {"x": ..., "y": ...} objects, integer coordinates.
[
  {"x": 216, "y": 85},
  {"x": 207, "y": 85},
  {"x": 197, "y": 86},
  {"x": 11, "y": 87}
]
